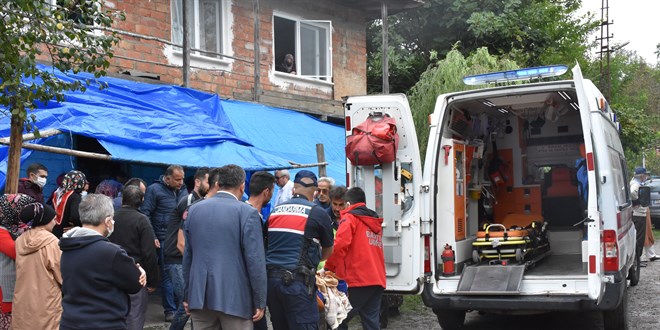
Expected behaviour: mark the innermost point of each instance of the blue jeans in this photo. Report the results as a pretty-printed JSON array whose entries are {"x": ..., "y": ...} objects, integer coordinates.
[
  {"x": 165, "y": 283},
  {"x": 176, "y": 276}
]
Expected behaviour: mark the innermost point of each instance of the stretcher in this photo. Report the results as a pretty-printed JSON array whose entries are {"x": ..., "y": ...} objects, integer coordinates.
[{"x": 519, "y": 237}]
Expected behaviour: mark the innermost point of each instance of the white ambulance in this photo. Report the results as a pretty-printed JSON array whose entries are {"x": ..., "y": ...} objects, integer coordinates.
[{"x": 522, "y": 203}]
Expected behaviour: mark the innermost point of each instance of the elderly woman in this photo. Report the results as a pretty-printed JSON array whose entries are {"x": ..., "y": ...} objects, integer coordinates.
[
  {"x": 10, "y": 228},
  {"x": 38, "y": 294},
  {"x": 66, "y": 200}
]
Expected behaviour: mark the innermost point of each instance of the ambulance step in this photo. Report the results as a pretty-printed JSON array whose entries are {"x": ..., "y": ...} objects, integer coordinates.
[{"x": 485, "y": 280}]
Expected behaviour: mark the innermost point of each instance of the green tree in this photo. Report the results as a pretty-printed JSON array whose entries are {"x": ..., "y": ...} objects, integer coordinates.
[
  {"x": 529, "y": 32},
  {"x": 445, "y": 77},
  {"x": 636, "y": 101},
  {"x": 63, "y": 35}
]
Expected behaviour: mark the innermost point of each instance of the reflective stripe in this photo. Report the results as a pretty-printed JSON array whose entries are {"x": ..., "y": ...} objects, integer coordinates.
[{"x": 286, "y": 230}]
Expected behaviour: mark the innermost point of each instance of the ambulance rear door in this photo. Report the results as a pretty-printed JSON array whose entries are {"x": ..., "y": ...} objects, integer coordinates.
[{"x": 392, "y": 189}]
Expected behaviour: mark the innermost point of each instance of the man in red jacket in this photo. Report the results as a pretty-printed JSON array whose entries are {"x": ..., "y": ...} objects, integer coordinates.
[{"x": 358, "y": 259}]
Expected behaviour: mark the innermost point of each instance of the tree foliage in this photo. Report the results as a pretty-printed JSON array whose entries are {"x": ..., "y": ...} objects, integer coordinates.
[
  {"x": 64, "y": 35},
  {"x": 529, "y": 32},
  {"x": 447, "y": 76},
  {"x": 636, "y": 100}
]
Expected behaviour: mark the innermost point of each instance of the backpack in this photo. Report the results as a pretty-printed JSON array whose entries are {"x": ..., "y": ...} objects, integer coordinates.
[{"x": 375, "y": 141}]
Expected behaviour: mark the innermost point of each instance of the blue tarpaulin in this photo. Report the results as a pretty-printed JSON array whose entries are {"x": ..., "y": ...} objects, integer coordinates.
[{"x": 168, "y": 124}]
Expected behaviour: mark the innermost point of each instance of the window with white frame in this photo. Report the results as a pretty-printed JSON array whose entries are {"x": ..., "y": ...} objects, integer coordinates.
[
  {"x": 206, "y": 25},
  {"x": 303, "y": 47}
]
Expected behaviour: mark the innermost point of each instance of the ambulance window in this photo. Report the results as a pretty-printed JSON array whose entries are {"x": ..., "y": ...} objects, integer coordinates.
[{"x": 619, "y": 177}]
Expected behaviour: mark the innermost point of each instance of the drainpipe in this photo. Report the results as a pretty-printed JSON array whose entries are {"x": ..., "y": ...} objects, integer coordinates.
[
  {"x": 257, "y": 53},
  {"x": 386, "y": 72},
  {"x": 186, "y": 44}
]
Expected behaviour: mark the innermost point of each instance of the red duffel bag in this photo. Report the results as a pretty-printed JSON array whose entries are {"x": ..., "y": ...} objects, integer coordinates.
[{"x": 375, "y": 141}]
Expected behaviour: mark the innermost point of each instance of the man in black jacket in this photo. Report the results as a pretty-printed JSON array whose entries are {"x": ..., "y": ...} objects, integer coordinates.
[
  {"x": 133, "y": 233},
  {"x": 97, "y": 275},
  {"x": 160, "y": 200},
  {"x": 174, "y": 243}
]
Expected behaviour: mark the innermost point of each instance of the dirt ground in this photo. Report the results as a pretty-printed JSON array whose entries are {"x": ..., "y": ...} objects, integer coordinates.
[{"x": 643, "y": 312}]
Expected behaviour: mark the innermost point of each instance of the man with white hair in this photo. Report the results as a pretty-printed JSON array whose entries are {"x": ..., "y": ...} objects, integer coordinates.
[
  {"x": 322, "y": 195},
  {"x": 283, "y": 180},
  {"x": 97, "y": 275}
]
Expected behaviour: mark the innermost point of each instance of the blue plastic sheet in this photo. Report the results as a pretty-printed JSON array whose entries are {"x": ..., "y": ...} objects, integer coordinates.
[{"x": 154, "y": 123}]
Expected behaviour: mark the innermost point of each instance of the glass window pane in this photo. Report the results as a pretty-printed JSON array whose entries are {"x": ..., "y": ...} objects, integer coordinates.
[
  {"x": 314, "y": 50},
  {"x": 177, "y": 22},
  {"x": 210, "y": 22}
]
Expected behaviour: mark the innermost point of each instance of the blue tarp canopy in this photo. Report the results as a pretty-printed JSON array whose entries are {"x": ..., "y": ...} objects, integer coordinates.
[{"x": 165, "y": 124}]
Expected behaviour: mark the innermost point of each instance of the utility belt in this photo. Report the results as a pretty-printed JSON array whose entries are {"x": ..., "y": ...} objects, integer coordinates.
[{"x": 302, "y": 274}]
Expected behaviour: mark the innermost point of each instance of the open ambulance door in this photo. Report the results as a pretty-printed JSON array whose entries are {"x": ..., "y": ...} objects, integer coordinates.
[
  {"x": 594, "y": 250},
  {"x": 392, "y": 189}
]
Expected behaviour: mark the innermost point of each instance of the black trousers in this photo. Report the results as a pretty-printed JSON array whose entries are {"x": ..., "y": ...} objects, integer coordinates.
[
  {"x": 366, "y": 303},
  {"x": 640, "y": 227}
]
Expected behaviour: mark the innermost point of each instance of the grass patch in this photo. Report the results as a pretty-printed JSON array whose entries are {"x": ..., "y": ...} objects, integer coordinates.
[
  {"x": 412, "y": 303},
  {"x": 656, "y": 234}
]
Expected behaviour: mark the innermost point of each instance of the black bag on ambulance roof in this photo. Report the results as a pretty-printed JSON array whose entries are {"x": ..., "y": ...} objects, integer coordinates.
[{"x": 374, "y": 141}]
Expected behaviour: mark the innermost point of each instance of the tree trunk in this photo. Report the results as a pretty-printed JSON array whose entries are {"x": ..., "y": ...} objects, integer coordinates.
[{"x": 14, "y": 158}]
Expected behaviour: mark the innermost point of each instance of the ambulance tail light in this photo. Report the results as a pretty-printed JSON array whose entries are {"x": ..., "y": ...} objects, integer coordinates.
[
  {"x": 427, "y": 254},
  {"x": 610, "y": 251}
]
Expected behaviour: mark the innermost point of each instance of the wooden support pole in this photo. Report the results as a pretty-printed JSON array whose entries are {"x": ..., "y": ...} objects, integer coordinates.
[
  {"x": 31, "y": 136},
  {"x": 63, "y": 151},
  {"x": 320, "y": 157}
]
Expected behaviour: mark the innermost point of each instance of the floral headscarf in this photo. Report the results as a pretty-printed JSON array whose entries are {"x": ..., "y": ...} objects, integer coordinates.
[
  {"x": 10, "y": 207},
  {"x": 74, "y": 180}
]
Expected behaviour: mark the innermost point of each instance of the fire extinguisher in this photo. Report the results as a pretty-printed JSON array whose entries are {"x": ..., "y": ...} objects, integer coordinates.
[{"x": 448, "y": 261}]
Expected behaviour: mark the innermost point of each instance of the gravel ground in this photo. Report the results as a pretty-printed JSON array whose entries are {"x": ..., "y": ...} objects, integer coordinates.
[{"x": 643, "y": 312}]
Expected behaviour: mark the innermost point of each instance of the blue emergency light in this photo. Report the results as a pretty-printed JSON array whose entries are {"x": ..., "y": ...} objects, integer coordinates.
[{"x": 516, "y": 75}]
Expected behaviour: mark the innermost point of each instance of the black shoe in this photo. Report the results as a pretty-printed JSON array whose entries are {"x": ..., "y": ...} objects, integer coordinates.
[
  {"x": 169, "y": 317},
  {"x": 643, "y": 263},
  {"x": 654, "y": 258}
]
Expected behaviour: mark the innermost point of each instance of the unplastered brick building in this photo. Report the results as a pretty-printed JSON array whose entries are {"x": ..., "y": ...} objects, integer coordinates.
[{"x": 230, "y": 38}]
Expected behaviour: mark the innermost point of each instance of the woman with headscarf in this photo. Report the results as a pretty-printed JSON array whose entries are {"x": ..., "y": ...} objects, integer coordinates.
[
  {"x": 10, "y": 228},
  {"x": 66, "y": 200},
  {"x": 38, "y": 292},
  {"x": 109, "y": 187}
]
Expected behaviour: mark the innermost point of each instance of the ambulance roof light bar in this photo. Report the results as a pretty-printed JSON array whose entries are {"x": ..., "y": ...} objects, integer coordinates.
[{"x": 516, "y": 75}]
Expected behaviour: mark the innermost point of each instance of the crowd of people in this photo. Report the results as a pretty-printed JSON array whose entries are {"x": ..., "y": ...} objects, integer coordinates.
[{"x": 217, "y": 253}]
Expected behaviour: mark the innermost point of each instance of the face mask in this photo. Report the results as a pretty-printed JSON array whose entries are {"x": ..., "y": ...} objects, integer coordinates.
[
  {"x": 41, "y": 182},
  {"x": 83, "y": 194},
  {"x": 110, "y": 230}
]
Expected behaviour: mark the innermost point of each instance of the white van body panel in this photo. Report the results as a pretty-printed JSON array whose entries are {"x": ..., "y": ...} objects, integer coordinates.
[
  {"x": 401, "y": 222},
  {"x": 446, "y": 211}
]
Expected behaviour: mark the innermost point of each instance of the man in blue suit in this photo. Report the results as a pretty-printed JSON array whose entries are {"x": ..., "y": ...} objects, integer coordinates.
[{"x": 224, "y": 266}]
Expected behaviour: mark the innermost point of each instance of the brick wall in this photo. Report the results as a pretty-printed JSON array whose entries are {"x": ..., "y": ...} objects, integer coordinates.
[{"x": 236, "y": 81}]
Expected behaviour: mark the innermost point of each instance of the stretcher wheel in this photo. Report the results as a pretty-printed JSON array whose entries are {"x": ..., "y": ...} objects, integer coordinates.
[
  {"x": 519, "y": 255},
  {"x": 475, "y": 256}
]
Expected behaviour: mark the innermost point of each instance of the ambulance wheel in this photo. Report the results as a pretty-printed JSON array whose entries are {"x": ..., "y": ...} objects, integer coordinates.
[
  {"x": 475, "y": 256},
  {"x": 635, "y": 270},
  {"x": 450, "y": 319},
  {"x": 617, "y": 319}
]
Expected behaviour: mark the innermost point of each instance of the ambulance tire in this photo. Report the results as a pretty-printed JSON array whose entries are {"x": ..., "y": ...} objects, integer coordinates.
[
  {"x": 450, "y": 319},
  {"x": 617, "y": 319},
  {"x": 635, "y": 270}
]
